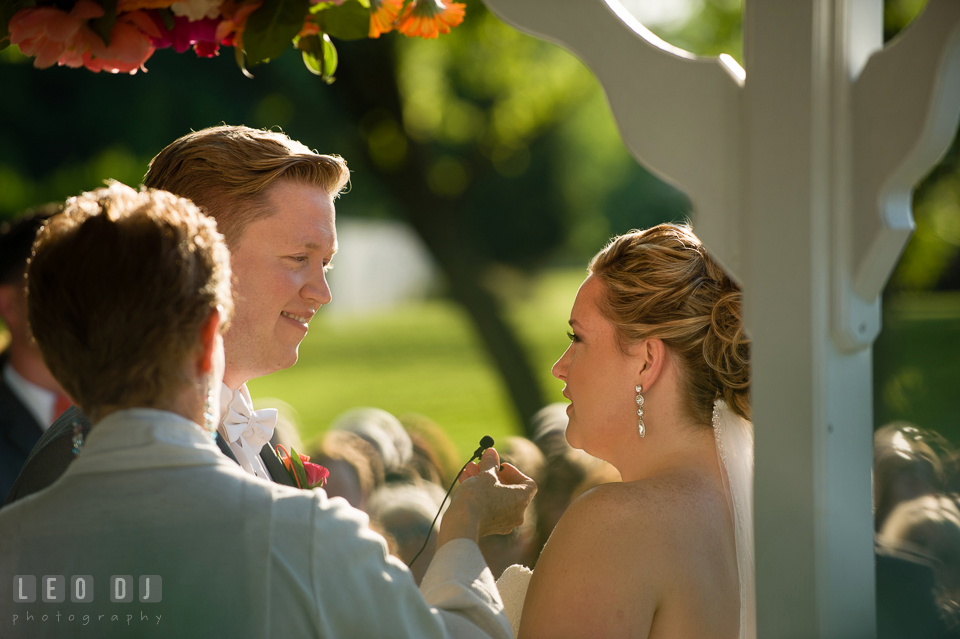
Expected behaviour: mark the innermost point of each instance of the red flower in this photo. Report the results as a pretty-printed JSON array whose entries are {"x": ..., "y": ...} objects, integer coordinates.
[
  {"x": 430, "y": 18},
  {"x": 315, "y": 473},
  {"x": 383, "y": 13}
]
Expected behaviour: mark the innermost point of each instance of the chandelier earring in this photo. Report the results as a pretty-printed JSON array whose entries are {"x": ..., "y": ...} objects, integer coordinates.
[{"x": 640, "y": 427}]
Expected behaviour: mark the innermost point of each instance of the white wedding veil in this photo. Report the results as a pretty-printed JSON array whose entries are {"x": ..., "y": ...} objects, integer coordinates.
[{"x": 734, "y": 437}]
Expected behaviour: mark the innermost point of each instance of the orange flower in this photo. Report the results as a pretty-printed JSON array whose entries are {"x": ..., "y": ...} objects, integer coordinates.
[
  {"x": 430, "y": 18},
  {"x": 230, "y": 29},
  {"x": 52, "y": 35},
  {"x": 383, "y": 13}
]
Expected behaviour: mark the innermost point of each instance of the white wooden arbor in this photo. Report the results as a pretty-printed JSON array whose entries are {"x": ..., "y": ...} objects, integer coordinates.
[{"x": 801, "y": 168}]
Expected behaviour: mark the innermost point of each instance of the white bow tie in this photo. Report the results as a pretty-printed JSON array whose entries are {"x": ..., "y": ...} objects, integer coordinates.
[{"x": 252, "y": 428}]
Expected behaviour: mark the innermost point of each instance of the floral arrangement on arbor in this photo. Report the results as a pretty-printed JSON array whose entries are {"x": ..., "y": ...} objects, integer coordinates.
[{"x": 119, "y": 36}]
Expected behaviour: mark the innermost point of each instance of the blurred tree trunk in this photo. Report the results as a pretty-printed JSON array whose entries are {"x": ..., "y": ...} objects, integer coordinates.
[{"x": 367, "y": 83}]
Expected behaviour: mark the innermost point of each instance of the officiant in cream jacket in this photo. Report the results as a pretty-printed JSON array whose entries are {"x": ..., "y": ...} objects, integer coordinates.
[{"x": 133, "y": 333}]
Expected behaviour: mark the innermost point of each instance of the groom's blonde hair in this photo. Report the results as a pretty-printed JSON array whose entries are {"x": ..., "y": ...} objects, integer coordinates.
[
  {"x": 119, "y": 285},
  {"x": 226, "y": 170}
]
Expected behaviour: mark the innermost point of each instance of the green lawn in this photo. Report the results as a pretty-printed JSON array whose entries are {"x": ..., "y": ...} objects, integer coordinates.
[
  {"x": 423, "y": 358},
  {"x": 917, "y": 363}
]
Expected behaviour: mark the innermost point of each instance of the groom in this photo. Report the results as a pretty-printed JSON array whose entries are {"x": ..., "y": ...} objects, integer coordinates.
[{"x": 272, "y": 199}]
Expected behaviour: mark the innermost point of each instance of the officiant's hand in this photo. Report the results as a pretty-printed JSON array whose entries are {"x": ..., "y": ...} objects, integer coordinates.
[{"x": 491, "y": 500}]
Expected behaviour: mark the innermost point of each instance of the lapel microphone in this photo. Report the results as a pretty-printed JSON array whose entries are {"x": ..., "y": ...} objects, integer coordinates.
[{"x": 485, "y": 442}]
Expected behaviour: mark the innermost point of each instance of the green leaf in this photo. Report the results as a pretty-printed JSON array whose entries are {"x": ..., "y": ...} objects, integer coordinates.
[
  {"x": 271, "y": 28},
  {"x": 8, "y": 9},
  {"x": 299, "y": 469},
  {"x": 349, "y": 21},
  {"x": 103, "y": 26},
  {"x": 166, "y": 16},
  {"x": 319, "y": 56}
]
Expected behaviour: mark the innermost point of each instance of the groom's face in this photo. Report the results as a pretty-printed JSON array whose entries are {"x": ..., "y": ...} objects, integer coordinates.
[{"x": 279, "y": 268}]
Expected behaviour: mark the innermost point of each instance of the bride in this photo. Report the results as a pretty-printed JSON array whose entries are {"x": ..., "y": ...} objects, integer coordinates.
[{"x": 658, "y": 378}]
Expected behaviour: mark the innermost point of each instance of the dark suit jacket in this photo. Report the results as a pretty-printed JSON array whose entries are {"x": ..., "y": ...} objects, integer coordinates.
[
  {"x": 19, "y": 433},
  {"x": 54, "y": 452}
]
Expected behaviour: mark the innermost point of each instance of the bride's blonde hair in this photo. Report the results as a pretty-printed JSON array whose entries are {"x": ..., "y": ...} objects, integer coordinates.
[{"x": 661, "y": 283}]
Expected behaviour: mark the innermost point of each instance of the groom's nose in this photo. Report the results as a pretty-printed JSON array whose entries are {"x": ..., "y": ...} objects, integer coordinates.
[{"x": 317, "y": 289}]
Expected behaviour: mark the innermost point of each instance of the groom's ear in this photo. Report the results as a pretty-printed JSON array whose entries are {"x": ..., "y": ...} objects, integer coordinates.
[
  {"x": 209, "y": 331},
  {"x": 651, "y": 355}
]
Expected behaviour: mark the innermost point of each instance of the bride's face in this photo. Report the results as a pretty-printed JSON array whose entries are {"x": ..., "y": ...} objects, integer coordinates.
[{"x": 599, "y": 378}]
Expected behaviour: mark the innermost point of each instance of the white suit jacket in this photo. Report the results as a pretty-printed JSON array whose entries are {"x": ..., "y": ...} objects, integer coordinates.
[{"x": 238, "y": 557}]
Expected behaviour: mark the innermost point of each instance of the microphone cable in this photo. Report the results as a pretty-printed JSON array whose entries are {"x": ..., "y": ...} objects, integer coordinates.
[{"x": 485, "y": 442}]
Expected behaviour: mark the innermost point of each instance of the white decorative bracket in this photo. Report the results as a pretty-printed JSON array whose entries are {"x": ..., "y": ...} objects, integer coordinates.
[
  {"x": 670, "y": 105},
  {"x": 905, "y": 107}
]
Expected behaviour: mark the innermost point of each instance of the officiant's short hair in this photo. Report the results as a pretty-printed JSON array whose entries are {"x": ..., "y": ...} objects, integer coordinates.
[
  {"x": 226, "y": 170},
  {"x": 119, "y": 286}
]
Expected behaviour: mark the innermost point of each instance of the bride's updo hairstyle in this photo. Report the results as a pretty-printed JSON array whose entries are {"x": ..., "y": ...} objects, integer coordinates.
[{"x": 661, "y": 283}]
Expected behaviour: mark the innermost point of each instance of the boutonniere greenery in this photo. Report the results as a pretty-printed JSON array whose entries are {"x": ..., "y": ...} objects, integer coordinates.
[{"x": 303, "y": 472}]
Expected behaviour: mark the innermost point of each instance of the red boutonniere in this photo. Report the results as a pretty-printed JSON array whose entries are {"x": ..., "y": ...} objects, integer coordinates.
[{"x": 303, "y": 472}]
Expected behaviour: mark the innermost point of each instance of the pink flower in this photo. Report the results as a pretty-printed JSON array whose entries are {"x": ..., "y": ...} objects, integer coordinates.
[
  {"x": 316, "y": 474},
  {"x": 52, "y": 35},
  {"x": 199, "y": 34},
  {"x": 131, "y": 43}
]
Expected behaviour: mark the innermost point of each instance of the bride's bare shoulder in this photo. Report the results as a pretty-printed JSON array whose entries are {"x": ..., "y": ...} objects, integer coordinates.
[
  {"x": 614, "y": 556},
  {"x": 631, "y": 508}
]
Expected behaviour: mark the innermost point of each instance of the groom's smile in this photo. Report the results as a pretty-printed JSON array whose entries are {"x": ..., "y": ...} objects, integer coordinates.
[{"x": 279, "y": 267}]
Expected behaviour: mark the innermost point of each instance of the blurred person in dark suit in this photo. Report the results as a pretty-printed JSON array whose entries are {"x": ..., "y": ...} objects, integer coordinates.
[{"x": 30, "y": 398}]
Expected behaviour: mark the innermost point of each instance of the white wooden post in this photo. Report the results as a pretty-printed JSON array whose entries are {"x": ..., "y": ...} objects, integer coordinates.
[{"x": 800, "y": 170}]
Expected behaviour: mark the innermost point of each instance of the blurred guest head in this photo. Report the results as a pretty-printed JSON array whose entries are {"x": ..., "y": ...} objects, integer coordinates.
[
  {"x": 905, "y": 466},
  {"x": 565, "y": 472},
  {"x": 143, "y": 299},
  {"x": 356, "y": 469},
  {"x": 930, "y": 525},
  {"x": 525, "y": 455},
  {"x": 384, "y": 432},
  {"x": 404, "y": 512},
  {"x": 549, "y": 428},
  {"x": 424, "y": 462},
  {"x": 442, "y": 450},
  {"x": 22, "y": 354},
  {"x": 272, "y": 198}
]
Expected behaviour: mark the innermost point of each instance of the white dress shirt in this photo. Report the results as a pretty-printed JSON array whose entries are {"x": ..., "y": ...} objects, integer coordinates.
[
  {"x": 239, "y": 557},
  {"x": 246, "y": 451},
  {"x": 38, "y": 400}
]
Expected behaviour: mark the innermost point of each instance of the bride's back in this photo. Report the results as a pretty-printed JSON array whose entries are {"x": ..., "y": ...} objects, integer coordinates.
[{"x": 658, "y": 355}]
